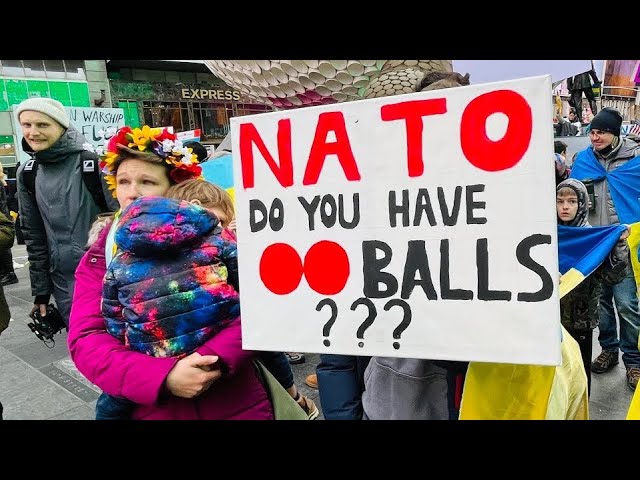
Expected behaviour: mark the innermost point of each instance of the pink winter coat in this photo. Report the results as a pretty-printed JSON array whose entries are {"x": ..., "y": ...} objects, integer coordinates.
[{"x": 107, "y": 363}]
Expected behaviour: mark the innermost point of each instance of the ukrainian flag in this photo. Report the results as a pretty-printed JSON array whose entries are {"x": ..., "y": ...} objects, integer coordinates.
[
  {"x": 581, "y": 250},
  {"x": 503, "y": 391},
  {"x": 624, "y": 185}
]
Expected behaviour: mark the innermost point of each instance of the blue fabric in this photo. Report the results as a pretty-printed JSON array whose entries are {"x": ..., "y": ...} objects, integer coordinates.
[
  {"x": 341, "y": 383},
  {"x": 278, "y": 364},
  {"x": 219, "y": 171},
  {"x": 109, "y": 407},
  {"x": 586, "y": 248},
  {"x": 623, "y": 182}
]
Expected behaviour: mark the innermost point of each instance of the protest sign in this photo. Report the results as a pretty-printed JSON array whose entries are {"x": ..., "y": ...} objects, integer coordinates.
[{"x": 418, "y": 226}]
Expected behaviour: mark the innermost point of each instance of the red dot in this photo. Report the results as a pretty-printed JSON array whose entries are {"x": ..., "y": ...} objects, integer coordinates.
[
  {"x": 280, "y": 268},
  {"x": 326, "y": 267}
]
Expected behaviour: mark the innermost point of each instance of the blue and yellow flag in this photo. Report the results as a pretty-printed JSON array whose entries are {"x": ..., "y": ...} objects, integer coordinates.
[
  {"x": 503, "y": 391},
  {"x": 624, "y": 185},
  {"x": 581, "y": 250}
]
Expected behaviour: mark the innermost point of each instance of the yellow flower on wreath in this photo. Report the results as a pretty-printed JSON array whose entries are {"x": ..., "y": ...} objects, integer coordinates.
[{"x": 142, "y": 137}]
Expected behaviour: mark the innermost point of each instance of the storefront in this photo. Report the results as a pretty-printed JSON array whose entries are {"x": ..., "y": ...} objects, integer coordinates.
[{"x": 183, "y": 106}]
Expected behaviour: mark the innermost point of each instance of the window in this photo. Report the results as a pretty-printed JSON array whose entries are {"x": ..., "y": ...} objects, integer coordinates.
[
  {"x": 243, "y": 109},
  {"x": 212, "y": 119},
  {"x": 12, "y": 68},
  {"x": 53, "y": 69},
  {"x": 165, "y": 114},
  {"x": 34, "y": 68},
  {"x": 75, "y": 69}
]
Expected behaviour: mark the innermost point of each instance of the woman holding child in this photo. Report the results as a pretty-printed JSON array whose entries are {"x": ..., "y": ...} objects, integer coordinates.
[{"x": 142, "y": 163}]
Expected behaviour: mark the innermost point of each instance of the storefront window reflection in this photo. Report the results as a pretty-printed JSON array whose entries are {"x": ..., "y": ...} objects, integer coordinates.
[
  {"x": 164, "y": 114},
  {"x": 211, "y": 118}
]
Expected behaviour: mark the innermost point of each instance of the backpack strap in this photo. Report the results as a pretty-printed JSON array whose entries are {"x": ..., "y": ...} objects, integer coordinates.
[
  {"x": 92, "y": 179},
  {"x": 29, "y": 176},
  {"x": 90, "y": 176}
]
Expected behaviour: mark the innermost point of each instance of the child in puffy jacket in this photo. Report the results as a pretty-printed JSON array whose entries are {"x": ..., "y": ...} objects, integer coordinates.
[
  {"x": 172, "y": 285},
  {"x": 196, "y": 240}
]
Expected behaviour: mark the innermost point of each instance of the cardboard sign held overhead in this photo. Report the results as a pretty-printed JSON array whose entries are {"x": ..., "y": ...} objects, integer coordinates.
[{"x": 419, "y": 226}]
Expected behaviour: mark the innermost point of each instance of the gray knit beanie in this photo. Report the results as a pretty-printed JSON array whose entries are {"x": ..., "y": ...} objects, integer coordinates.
[{"x": 48, "y": 106}]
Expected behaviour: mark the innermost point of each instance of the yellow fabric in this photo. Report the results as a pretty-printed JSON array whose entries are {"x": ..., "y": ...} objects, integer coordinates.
[
  {"x": 501, "y": 391},
  {"x": 505, "y": 391},
  {"x": 634, "y": 241},
  {"x": 569, "y": 399},
  {"x": 570, "y": 280},
  {"x": 634, "y": 408},
  {"x": 232, "y": 193}
]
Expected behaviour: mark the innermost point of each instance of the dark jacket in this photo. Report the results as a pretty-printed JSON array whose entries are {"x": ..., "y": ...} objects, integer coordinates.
[
  {"x": 7, "y": 234},
  {"x": 56, "y": 224},
  {"x": 579, "y": 307}
]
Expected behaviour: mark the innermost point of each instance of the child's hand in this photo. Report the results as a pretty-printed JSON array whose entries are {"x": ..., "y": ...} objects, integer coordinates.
[
  {"x": 625, "y": 234},
  {"x": 232, "y": 225}
]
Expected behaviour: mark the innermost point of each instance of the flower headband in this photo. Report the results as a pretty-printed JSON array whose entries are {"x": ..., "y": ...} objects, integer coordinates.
[{"x": 158, "y": 141}]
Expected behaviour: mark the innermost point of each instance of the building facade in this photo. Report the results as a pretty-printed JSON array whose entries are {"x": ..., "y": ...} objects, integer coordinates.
[
  {"x": 75, "y": 83},
  {"x": 185, "y": 95}
]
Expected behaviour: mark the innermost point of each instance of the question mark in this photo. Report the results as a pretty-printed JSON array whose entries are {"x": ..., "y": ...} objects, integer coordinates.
[
  {"x": 368, "y": 321},
  {"x": 406, "y": 318},
  {"x": 334, "y": 314}
]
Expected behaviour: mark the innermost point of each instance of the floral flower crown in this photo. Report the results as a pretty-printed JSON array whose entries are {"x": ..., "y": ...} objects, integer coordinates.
[{"x": 159, "y": 141}]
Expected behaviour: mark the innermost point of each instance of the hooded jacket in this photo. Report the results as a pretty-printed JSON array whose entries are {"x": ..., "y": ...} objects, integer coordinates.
[
  {"x": 122, "y": 372},
  {"x": 579, "y": 308},
  {"x": 55, "y": 225},
  {"x": 169, "y": 288}
]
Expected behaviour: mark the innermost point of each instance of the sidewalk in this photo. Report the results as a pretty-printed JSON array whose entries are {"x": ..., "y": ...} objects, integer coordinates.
[{"x": 42, "y": 383}]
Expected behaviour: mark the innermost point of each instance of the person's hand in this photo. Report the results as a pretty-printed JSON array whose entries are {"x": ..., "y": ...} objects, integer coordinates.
[
  {"x": 625, "y": 234},
  {"x": 40, "y": 306},
  {"x": 189, "y": 378},
  {"x": 232, "y": 225}
]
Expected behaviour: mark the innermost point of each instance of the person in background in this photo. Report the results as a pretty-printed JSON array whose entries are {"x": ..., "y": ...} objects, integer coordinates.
[
  {"x": 609, "y": 151},
  {"x": 55, "y": 244},
  {"x": 7, "y": 235},
  {"x": 562, "y": 171},
  {"x": 7, "y": 273}
]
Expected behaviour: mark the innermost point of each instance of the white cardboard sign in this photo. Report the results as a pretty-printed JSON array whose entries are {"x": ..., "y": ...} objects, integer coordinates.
[{"x": 418, "y": 226}]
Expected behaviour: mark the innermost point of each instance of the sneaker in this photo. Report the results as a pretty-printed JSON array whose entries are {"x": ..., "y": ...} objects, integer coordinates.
[
  {"x": 295, "y": 358},
  {"x": 312, "y": 380},
  {"x": 308, "y": 406},
  {"x": 633, "y": 374},
  {"x": 8, "y": 279},
  {"x": 605, "y": 361}
]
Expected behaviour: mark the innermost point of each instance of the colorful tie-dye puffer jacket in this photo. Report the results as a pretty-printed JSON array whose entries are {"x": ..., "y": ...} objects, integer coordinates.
[{"x": 173, "y": 283}]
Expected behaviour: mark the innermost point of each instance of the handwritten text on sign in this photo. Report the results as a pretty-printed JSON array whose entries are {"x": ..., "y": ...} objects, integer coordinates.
[{"x": 419, "y": 226}]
